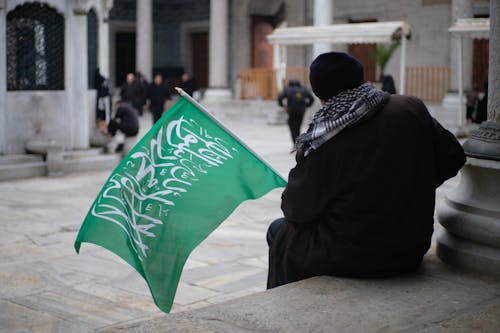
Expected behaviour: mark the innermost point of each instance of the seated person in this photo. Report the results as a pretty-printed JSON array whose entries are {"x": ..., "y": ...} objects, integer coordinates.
[
  {"x": 360, "y": 200},
  {"x": 126, "y": 121}
]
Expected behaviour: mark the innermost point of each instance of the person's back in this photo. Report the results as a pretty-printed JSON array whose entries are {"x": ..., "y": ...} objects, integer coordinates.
[
  {"x": 126, "y": 120},
  {"x": 360, "y": 203},
  {"x": 298, "y": 98}
]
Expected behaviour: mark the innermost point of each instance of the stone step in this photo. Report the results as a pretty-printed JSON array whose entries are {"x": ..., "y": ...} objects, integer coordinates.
[
  {"x": 20, "y": 158},
  {"x": 22, "y": 169},
  {"x": 436, "y": 299},
  {"x": 75, "y": 154},
  {"x": 91, "y": 162}
]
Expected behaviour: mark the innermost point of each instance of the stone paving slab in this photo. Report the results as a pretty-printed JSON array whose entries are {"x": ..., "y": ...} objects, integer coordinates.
[{"x": 437, "y": 299}]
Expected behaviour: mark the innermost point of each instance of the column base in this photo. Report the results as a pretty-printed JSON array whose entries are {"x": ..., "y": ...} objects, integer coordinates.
[
  {"x": 217, "y": 94},
  {"x": 471, "y": 217},
  {"x": 467, "y": 255},
  {"x": 449, "y": 114}
]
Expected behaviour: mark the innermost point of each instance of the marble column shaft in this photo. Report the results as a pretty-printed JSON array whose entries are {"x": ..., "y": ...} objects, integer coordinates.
[
  {"x": 3, "y": 76},
  {"x": 494, "y": 63},
  {"x": 218, "y": 44},
  {"x": 144, "y": 38},
  {"x": 323, "y": 15},
  {"x": 104, "y": 46},
  {"x": 461, "y": 9},
  {"x": 76, "y": 77}
]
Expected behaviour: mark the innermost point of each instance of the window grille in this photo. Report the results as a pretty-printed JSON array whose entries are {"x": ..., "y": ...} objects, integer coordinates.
[
  {"x": 92, "y": 46},
  {"x": 35, "y": 48}
]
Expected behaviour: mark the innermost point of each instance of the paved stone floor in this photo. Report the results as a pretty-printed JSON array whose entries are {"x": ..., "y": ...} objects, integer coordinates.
[{"x": 46, "y": 287}]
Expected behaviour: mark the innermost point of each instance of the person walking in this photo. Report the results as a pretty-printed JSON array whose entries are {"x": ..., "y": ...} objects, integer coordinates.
[
  {"x": 298, "y": 98},
  {"x": 360, "y": 199},
  {"x": 158, "y": 94}
]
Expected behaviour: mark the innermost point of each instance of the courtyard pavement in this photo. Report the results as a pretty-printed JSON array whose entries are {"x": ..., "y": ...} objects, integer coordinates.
[{"x": 46, "y": 287}]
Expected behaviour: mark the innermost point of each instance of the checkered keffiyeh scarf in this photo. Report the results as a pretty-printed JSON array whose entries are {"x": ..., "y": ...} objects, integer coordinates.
[{"x": 339, "y": 112}]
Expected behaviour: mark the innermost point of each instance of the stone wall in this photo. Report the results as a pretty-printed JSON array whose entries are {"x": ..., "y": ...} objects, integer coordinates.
[{"x": 429, "y": 43}]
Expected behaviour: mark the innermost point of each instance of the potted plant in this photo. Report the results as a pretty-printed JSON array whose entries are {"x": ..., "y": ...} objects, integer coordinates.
[{"x": 382, "y": 55}]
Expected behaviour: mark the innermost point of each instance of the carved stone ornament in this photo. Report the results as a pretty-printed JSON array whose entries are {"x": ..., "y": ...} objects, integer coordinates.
[{"x": 484, "y": 142}]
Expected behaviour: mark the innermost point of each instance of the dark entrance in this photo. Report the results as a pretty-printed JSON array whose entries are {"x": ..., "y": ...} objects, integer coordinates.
[
  {"x": 480, "y": 63},
  {"x": 199, "y": 49},
  {"x": 125, "y": 55},
  {"x": 262, "y": 50}
]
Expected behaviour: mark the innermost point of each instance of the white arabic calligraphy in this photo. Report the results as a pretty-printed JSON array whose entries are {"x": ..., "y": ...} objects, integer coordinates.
[{"x": 138, "y": 197}]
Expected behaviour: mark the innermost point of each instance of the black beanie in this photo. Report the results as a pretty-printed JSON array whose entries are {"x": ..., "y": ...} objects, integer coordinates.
[{"x": 333, "y": 72}]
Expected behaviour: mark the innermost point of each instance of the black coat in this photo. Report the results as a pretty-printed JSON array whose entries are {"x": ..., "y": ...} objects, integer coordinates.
[
  {"x": 362, "y": 204},
  {"x": 297, "y": 97},
  {"x": 157, "y": 95},
  {"x": 126, "y": 120}
]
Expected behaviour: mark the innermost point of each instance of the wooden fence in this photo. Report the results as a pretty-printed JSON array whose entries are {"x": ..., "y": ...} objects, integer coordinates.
[
  {"x": 426, "y": 83},
  {"x": 260, "y": 83}
]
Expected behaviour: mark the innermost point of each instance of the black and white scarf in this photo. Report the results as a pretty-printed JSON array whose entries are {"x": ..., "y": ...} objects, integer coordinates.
[{"x": 339, "y": 112}]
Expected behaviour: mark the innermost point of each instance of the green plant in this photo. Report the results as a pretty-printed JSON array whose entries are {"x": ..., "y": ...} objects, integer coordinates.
[{"x": 383, "y": 53}]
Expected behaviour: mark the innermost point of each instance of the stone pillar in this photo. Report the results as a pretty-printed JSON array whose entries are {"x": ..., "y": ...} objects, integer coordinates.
[
  {"x": 218, "y": 63},
  {"x": 471, "y": 213},
  {"x": 323, "y": 15},
  {"x": 104, "y": 45},
  {"x": 144, "y": 38},
  {"x": 3, "y": 76},
  {"x": 76, "y": 76},
  {"x": 459, "y": 9}
]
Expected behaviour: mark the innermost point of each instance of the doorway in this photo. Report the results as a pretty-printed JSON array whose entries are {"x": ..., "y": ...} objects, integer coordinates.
[
  {"x": 262, "y": 50},
  {"x": 199, "y": 58},
  {"x": 125, "y": 56}
]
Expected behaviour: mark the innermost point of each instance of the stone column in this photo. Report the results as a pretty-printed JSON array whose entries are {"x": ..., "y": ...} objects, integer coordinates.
[
  {"x": 471, "y": 213},
  {"x": 104, "y": 43},
  {"x": 3, "y": 76},
  {"x": 144, "y": 38},
  {"x": 323, "y": 15},
  {"x": 218, "y": 63},
  {"x": 459, "y": 9},
  {"x": 76, "y": 76}
]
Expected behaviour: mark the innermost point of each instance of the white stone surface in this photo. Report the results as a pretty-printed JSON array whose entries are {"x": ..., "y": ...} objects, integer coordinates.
[
  {"x": 144, "y": 38},
  {"x": 323, "y": 15},
  {"x": 3, "y": 78},
  {"x": 217, "y": 75},
  {"x": 461, "y": 9}
]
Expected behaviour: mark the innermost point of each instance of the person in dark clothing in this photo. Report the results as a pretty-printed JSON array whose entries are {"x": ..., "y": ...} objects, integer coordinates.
[
  {"x": 188, "y": 84},
  {"x": 126, "y": 120},
  {"x": 388, "y": 84},
  {"x": 141, "y": 92},
  {"x": 360, "y": 200},
  {"x": 482, "y": 108},
  {"x": 298, "y": 98},
  {"x": 101, "y": 84},
  {"x": 158, "y": 94},
  {"x": 128, "y": 89}
]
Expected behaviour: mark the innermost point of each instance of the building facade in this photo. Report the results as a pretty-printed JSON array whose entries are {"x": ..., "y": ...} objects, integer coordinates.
[{"x": 50, "y": 50}]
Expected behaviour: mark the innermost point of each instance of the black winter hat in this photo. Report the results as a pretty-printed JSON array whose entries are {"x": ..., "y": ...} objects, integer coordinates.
[{"x": 333, "y": 72}]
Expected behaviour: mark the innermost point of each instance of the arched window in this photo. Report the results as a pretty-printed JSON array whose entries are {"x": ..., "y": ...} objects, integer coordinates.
[
  {"x": 92, "y": 46},
  {"x": 35, "y": 48}
]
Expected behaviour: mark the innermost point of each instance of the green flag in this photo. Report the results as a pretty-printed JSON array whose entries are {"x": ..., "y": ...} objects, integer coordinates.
[{"x": 180, "y": 182}]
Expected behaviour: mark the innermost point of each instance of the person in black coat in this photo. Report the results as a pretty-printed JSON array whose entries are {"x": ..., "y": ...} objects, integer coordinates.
[
  {"x": 158, "y": 94},
  {"x": 360, "y": 200},
  {"x": 126, "y": 120},
  {"x": 298, "y": 98}
]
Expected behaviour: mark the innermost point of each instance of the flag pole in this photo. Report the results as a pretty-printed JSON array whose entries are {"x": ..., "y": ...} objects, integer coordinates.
[{"x": 212, "y": 117}]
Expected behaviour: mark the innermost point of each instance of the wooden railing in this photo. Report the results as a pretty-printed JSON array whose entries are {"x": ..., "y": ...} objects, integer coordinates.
[
  {"x": 427, "y": 83},
  {"x": 260, "y": 83}
]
